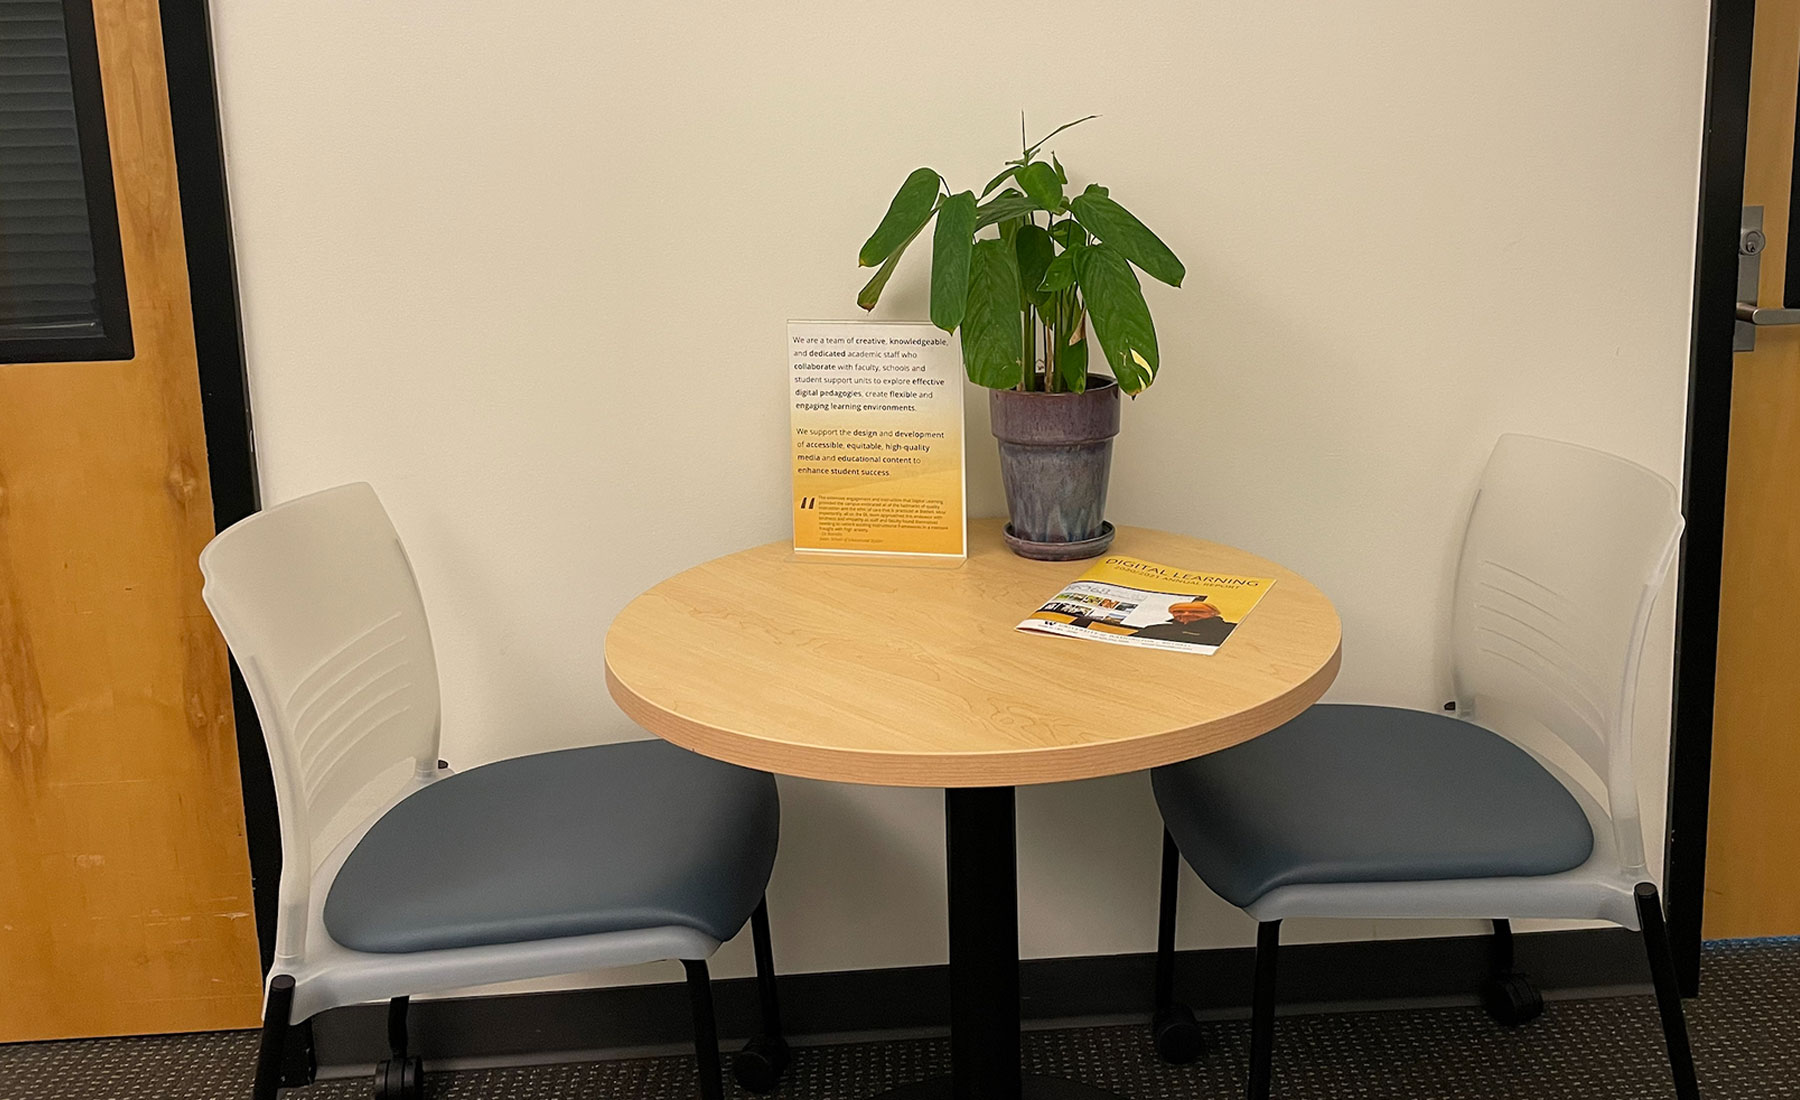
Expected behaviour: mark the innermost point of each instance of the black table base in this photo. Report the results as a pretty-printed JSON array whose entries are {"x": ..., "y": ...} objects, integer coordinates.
[{"x": 979, "y": 828}]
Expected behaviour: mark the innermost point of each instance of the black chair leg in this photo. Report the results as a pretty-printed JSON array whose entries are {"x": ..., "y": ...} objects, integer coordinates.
[
  {"x": 1172, "y": 1024},
  {"x": 1508, "y": 994},
  {"x": 758, "y": 1067},
  {"x": 1668, "y": 991},
  {"x": 1262, "y": 1011},
  {"x": 277, "y": 1012},
  {"x": 396, "y": 1025},
  {"x": 706, "y": 1033},
  {"x": 401, "y": 1076}
]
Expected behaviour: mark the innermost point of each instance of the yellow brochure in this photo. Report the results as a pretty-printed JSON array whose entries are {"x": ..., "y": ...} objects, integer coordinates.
[{"x": 1139, "y": 603}]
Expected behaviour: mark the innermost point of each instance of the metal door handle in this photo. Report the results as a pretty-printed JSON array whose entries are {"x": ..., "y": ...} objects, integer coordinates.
[
  {"x": 1750, "y": 316},
  {"x": 1759, "y": 315}
]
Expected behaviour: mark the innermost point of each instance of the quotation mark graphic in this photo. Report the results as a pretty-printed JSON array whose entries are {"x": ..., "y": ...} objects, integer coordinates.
[{"x": 808, "y": 502}]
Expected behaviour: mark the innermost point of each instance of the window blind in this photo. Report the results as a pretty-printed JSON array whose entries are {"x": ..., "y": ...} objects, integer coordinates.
[{"x": 48, "y": 283}]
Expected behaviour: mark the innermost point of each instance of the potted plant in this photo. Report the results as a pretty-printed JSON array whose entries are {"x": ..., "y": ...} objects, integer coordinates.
[{"x": 1024, "y": 270}]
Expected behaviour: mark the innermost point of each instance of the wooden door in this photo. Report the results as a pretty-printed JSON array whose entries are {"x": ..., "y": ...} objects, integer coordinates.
[
  {"x": 125, "y": 900},
  {"x": 1753, "y": 835}
]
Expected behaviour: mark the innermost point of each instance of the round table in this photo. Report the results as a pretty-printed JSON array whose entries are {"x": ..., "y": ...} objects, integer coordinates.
[{"x": 916, "y": 677}]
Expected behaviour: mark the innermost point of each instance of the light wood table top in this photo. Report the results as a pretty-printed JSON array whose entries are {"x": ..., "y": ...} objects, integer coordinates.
[{"x": 916, "y": 677}]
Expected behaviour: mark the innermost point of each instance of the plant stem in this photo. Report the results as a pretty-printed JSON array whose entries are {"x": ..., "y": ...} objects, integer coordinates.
[
  {"x": 1028, "y": 369},
  {"x": 1037, "y": 348},
  {"x": 1044, "y": 329}
]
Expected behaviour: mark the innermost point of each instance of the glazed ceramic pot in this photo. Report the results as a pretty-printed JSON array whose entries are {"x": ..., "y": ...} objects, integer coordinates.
[{"x": 1055, "y": 457}]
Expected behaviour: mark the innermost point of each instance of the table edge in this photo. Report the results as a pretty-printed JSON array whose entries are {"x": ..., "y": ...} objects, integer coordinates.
[{"x": 1011, "y": 767}]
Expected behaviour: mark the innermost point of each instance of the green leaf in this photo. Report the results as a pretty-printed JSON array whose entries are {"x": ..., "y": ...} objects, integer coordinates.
[
  {"x": 1116, "y": 226},
  {"x": 910, "y": 210},
  {"x": 1121, "y": 317},
  {"x": 1060, "y": 275},
  {"x": 1069, "y": 233},
  {"x": 951, "y": 243},
  {"x": 1035, "y": 251},
  {"x": 1062, "y": 177},
  {"x": 1071, "y": 344},
  {"x": 1007, "y": 204},
  {"x": 1064, "y": 317},
  {"x": 1032, "y": 152},
  {"x": 992, "y": 340},
  {"x": 998, "y": 180},
  {"x": 1040, "y": 182},
  {"x": 871, "y": 292}
]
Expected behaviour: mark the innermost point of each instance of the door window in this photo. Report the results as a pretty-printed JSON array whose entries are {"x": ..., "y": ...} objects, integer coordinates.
[{"x": 62, "y": 277}]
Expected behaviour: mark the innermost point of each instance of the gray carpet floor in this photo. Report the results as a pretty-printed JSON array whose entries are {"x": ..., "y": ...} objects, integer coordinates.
[{"x": 1745, "y": 1027}]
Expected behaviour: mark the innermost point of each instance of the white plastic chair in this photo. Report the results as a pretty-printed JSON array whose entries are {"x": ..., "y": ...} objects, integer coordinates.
[
  {"x": 318, "y": 602},
  {"x": 1377, "y": 812}
]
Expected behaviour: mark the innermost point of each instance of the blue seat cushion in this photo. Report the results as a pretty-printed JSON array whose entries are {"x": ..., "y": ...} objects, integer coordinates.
[
  {"x": 602, "y": 839},
  {"x": 1368, "y": 794}
]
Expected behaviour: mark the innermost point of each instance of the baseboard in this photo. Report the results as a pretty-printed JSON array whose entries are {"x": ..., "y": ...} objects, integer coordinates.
[{"x": 541, "y": 1027}]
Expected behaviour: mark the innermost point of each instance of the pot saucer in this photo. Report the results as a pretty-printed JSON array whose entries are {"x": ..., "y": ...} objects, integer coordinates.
[{"x": 1059, "y": 551}]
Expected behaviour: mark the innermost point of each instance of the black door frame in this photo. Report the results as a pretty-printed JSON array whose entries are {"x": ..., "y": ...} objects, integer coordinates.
[
  {"x": 224, "y": 390},
  {"x": 1703, "y": 484},
  {"x": 187, "y": 45}
]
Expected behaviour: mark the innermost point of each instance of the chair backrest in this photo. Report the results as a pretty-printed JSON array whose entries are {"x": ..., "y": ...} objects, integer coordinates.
[
  {"x": 318, "y": 603},
  {"x": 1566, "y": 550}
]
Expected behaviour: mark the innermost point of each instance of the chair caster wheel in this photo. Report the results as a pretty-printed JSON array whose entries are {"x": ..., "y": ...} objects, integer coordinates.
[
  {"x": 1177, "y": 1034},
  {"x": 758, "y": 1067},
  {"x": 400, "y": 1079},
  {"x": 1510, "y": 999}
]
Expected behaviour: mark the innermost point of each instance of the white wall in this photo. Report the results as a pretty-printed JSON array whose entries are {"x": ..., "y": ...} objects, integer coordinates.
[{"x": 526, "y": 268}]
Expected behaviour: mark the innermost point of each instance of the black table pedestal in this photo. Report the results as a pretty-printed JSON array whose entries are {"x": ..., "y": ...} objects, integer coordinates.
[{"x": 979, "y": 826}]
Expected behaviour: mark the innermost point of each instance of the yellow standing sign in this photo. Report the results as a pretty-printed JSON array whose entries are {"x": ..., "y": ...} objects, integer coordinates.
[{"x": 877, "y": 426}]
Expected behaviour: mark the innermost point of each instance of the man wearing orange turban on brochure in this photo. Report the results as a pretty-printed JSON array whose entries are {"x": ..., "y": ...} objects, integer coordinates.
[{"x": 1195, "y": 622}]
